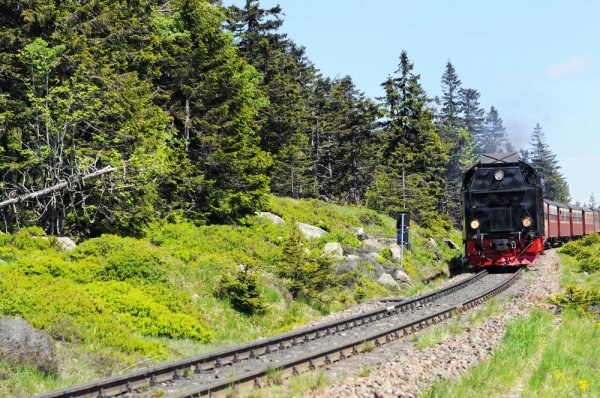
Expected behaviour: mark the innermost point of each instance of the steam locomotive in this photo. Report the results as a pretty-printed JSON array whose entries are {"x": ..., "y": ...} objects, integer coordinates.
[{"x": 507, "y": 222}]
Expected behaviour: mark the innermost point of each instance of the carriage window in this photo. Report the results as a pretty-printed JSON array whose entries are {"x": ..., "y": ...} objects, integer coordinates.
[{"x": 564, "y": 215}]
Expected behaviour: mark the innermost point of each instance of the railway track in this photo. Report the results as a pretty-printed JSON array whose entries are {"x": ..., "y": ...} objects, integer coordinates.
[{"x": 253, "y": 363}]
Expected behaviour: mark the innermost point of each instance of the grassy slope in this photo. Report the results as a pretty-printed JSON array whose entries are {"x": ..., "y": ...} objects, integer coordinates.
[{"x": 111, "y": 303}]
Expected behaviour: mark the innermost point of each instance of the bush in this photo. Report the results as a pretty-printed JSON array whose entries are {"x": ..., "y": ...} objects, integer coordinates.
[
  {"x": 124, "y": 259},
  {"x": 140, "y": 312},
  {"x": 586, "y": 252},
  {"x": 581, "y": 299},
  {"x": 243, "y": 291},
  {"x": 305, "y": 275}
]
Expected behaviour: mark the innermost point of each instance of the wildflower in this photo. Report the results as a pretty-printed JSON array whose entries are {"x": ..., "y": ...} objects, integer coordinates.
[
  {"x": 558, "y": 375},
  {"x": 583, "y": 385}
]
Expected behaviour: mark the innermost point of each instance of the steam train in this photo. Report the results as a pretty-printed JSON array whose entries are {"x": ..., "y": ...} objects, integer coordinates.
[{"x": 507, "y": 222}]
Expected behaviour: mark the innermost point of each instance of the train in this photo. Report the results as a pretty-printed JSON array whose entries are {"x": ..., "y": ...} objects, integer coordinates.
[{"x": 506, "y": 220}]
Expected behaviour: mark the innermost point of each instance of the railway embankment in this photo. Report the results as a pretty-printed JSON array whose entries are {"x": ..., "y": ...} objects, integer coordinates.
[
  {"x": 539, "y": 338},
  {"x": 114, "y": 304}
]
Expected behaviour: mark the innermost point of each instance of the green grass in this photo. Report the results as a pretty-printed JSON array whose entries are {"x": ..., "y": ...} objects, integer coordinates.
[
  {"x": 112, "y": 301},
  {"x": 545, "y": 363},
  {"x": 570, "y": 365},
  {"x": 496, "y": 376}
]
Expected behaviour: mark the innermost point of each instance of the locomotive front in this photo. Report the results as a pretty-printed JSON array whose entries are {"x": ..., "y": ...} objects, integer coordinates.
[{"x": 503, "y": 212}]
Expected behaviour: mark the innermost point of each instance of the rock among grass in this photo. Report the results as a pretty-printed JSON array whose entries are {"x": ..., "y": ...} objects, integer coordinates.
[
  {"x": 451, "y": 244},
  {"x": 333, "y": 249},
  {"x": 310, "y": 232},
  {"x": 275, "y": 219},
  {"x": 65, "y": 243},
  {"x": 401, "y": 277},
  {"x": 23, "y": 345},
  {"x": 388, "y": 281}
]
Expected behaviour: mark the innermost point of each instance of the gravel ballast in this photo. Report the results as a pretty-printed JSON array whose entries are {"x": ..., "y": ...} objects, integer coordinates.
[{"x": 401, "y": 369}]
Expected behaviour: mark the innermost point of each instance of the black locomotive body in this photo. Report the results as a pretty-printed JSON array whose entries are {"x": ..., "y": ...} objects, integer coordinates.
[{"x": 503, "y": 212}]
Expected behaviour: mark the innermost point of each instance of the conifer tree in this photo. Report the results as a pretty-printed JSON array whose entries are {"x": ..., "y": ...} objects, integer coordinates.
[
  {"x": 287, "y": 79},
  {"x": 412, "y": 156},
  {"x": 342, "y": 140},
  {"x": 592, "y": 203},
  {"x": 544, "y": 161},
  {"x": 163, "y": 96},
  {"x": 495, "y": 138},
  {"x": 457, "y": 140},
  {"x": 473, "y": 116}
]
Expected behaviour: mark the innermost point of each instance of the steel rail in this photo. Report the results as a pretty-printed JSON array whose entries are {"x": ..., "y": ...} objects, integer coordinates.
[
  {"x": 128, "y": 382},
  {"x": 311, "y": 361}
]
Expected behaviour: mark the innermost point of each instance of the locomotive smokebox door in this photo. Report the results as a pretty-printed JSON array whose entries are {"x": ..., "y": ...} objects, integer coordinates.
[{"x": 402, "y": 225}]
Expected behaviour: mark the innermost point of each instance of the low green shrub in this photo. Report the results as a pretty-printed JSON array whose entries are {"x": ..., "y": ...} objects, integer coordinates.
[
  {"x": 586, "y": 252},
  {"x": 140, "y": 312},
  {"x": 124, "y": 259},
  {"x": 243, "y": 291},
  {"x": 68, "y": 312},
  {"x": 579, "y": 298}
]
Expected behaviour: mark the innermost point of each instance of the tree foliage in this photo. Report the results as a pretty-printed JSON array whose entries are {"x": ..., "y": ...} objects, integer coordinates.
[
  {"x": 203, "y": 110},
  {"x": 545, "y": 162},
  {"x": 410, "y": 175}
]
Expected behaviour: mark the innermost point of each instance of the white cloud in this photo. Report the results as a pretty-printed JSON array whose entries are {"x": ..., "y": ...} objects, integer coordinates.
[{"x": 567, "y": 67}]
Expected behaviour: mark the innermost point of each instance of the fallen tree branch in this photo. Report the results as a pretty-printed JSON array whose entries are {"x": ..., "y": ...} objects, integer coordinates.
[{"x": 56, "y": 187}]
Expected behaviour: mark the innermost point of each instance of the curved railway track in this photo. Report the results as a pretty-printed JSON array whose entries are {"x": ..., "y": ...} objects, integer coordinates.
[{"x": 251, "y": 364}]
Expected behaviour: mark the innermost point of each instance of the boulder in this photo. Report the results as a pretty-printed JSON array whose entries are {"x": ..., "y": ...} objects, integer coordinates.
[
  {"x": 388, "y": 281},
  {"x": 275, "y": 219},
  {"x": 451, "y": 244},
  {"x": 401, "y": 277},
  {"x": 309, "y": 231},
  {"x": 360, "y": 233},
  {"x": 348, "y": 264},
  {"x": 373, "y": 244},
  {"x": 65, "y": 243},
  {"x": 333, "y": 249},
  {"x": 24, "y": 345},
  {"x": 395, "y": 250}
]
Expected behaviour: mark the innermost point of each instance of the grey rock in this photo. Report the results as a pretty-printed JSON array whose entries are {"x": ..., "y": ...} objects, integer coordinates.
[
  {"x": 309, "y": 231},
  {"x": 451, "y": 244},
  {"x": 24, "y": 345},
  {"x": 348, "y": 264},
  {"x": 333, "y": 249},
  {"x": 373, "y": 244},
  {"x": 275, "y": 219},
  {"x": 432, "y": 244},
  {"x": 388, "y": 281},
  {"x": 65, "y": 243},
  {"x": 401, "y": 277},
  {"x": 360, "y": 233},
  {"x": 396, "y": 252}
]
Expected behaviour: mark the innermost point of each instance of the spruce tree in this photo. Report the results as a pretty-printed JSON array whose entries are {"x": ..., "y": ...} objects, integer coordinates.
[
  {"x": 473, "y": 116},
  {"x": 495, "y": 137},
  {"x": 457, "y": 140},
  {"x": 544, "y": 161},
  {"x": 287, "y": 79},
  {"x": 410, "y": 176}
]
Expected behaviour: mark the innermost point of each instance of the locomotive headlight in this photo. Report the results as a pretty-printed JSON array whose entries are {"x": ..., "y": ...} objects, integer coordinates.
[
  {"x": 499, "y": 175},
  {"x": 475, "y": 223},
  {"x": 527, "y": 221}
]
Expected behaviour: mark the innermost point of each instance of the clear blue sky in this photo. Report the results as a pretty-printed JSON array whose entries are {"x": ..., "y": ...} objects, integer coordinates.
[{"x": 535, "y": 61}]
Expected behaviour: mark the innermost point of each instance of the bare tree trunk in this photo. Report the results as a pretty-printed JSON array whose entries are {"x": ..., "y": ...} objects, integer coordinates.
[{"x": 55, "y": 188}]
